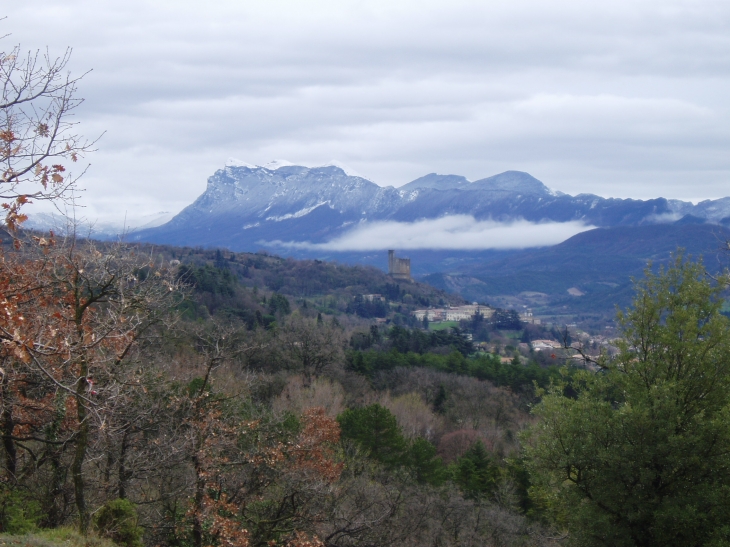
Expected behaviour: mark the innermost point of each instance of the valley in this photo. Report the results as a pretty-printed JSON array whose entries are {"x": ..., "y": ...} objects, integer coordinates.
[{"x": 299, "y": 212}]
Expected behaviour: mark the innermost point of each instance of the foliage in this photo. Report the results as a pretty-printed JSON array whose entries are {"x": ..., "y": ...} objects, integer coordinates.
[
  {"x": 208, "y": 278},
  {"x": 404, "y": 340},
  {"x": 375, "y": 428},
  {"x": 117, "y": 520},
  {"x": 311, "y": 348},
  {"x": 279, "y": 304},
  {"x": 70, "y": 320},
  {"x": 367, "y": 308},
  {"x": 505, "y": 319},
  {"x": 425, "y": 465},
  {"x": 51, "y": 537},
  {"x": 641, "y": 455},
  {"x": 483, "y": 367},
  {"x": 19, "y": 513},
  {"x": 476, "y": 472},
  {"x": 199, "y": 434}
]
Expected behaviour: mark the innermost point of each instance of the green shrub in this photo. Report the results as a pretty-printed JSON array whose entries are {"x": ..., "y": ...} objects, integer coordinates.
[
  {"x": 117, "y": 520},
  {"x": 375, "y": 428},
  {"x": 18, "y": 513}
]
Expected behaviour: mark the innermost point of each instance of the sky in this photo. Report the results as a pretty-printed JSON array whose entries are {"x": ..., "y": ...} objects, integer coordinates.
[{"x": 628, "y": 98}]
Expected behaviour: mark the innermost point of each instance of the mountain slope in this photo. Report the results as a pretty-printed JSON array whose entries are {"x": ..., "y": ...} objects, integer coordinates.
[
  {"x": 598, "y": 263},
  {"x": 248, "y": 207}
]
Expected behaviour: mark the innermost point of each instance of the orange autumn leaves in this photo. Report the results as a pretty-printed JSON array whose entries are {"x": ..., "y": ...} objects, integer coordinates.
[
  {"x": 311, "y": 456},
  {"x": 313, "y": 450}
]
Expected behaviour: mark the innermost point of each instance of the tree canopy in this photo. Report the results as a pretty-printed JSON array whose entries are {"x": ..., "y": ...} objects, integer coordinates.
[{"x": 641, "y": 454}]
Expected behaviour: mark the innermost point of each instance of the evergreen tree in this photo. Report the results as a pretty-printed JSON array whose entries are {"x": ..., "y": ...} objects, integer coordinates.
[
  {"x": 475, "y": 472},
  {"x": 641, "y": 455},
  {"x": 375, "y": 428},
  {"x": 427, "y": 467},
  {"x": 440, "y": 400},
  {"x": 278, "y": 303}
]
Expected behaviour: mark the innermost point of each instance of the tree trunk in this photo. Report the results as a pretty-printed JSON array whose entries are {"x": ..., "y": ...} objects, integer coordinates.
[
  {"x": 82, "y": 441},
  {"x": 123, "y": 473},
  {"x": 8, "y": 425},
  {"x": 199, "y": 497},
  {"x": 51, "y": 508}
]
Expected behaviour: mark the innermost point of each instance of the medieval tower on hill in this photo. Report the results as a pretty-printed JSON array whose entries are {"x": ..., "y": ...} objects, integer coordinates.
[{"x": 399, "y": 268}]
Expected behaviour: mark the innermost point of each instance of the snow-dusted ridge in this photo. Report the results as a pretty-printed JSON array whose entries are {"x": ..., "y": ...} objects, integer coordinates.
[
  {"x": 279, "y": 201},
  {"x": 273, "y": 165},
  {"x": 348, "y": 170},
  {"x": 234, "y": 162},
  {"x": 299, "y": 213}
]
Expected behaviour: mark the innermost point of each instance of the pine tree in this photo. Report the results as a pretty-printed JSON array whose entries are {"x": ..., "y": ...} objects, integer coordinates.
[{"x": 641, "y": 456}]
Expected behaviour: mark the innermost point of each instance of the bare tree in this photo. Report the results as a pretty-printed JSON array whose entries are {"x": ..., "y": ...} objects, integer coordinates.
[
  {"x": 322, "y": 392},
  {"x": 71, "y": 317},
  {"x": 311, "y": 348},
  {"x": 38, "y": 138},
  {"x": 414, "y": 416}
]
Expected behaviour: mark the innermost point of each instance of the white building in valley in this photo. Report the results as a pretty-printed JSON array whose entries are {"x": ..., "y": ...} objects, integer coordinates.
[{"x": 455, "y": 313}]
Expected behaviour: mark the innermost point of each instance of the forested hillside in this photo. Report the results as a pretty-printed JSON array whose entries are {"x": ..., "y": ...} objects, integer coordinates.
[
  {"x": 222, "y": 411},
  {"x": 598, "y": 265},
  {"x": 153, "y": 395},
  {"x": 182, "y": 401}
]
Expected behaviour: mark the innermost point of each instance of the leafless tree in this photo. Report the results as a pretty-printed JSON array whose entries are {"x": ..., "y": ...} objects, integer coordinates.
[
  {"x": 414, "y": 416},
  {"x": 73, "y": 314},
  {"x": 311, "y": 348},
  {"x": 38, "y": 138},
  {"x": 322, "y": 392}
]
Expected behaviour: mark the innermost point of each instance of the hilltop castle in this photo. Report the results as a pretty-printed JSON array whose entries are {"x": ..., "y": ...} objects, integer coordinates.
[{"x": 399, "y": 268}]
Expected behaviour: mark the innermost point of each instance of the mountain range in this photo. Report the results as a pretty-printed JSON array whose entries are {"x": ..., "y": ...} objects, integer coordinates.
[
  {"x": 247, "y": 207},
  {"x": 590, "y": 272}
]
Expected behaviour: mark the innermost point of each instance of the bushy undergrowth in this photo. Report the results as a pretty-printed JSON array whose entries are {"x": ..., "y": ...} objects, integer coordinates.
[{"x": 65, "y": 536}]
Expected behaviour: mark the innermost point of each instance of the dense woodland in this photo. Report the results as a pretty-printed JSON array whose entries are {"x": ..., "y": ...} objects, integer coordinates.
[
  {"x": 191, "y": 398},
  {"x": 224, "y": 411}
]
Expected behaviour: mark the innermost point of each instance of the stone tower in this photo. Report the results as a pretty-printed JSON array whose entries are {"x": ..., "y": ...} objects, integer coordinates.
[{"x": 399, "y": 268}]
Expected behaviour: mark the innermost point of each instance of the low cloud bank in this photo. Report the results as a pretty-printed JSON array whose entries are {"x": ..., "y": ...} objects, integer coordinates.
[{"x": 456, "y": 232}]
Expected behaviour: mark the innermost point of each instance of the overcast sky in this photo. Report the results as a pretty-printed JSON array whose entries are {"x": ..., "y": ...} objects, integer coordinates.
[{"x": 621, "y": 98}]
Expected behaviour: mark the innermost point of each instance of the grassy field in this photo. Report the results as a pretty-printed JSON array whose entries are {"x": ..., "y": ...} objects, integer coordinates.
[
  {"x": 65, "y": 537},
  {"x": 443, "y": 325}
]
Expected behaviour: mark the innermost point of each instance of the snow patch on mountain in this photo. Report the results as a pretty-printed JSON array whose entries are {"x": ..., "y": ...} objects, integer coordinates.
[
  {"x": 299, "y": 213},
  {"x": 234, "y": 162},
  {"x": 555, "y": 193}
]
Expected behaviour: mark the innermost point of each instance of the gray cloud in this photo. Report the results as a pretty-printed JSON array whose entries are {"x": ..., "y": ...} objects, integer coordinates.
[
  {"x": 626, "y": 99},
  {"x": 460, "y": 232}
]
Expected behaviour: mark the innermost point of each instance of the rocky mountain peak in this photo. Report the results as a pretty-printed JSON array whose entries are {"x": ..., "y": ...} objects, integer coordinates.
[
  {"x": 438, "y": 182},
  {"x": 245, "y": 206},
  {"x": 518, "y": 182}
]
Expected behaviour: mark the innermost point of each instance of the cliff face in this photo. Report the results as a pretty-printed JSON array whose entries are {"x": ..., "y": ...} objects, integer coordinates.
[{"x": 245, "y": 206}]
